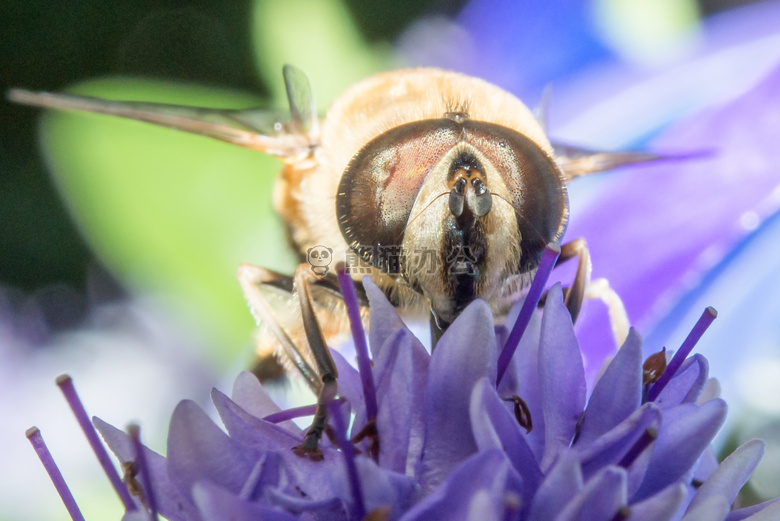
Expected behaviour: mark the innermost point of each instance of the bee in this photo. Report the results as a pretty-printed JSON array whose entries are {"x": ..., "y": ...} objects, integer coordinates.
[{"x": 443, "y": 188}]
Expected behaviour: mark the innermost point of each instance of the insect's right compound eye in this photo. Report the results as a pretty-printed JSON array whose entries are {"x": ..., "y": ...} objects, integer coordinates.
[{"x": 380, "y": 185}]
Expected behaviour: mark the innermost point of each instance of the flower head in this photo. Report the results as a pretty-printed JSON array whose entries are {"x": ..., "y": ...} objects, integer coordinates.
[{"x": 454, "y": 444}]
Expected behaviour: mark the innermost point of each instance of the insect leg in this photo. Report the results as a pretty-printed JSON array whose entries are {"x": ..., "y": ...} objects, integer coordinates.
[
  {"x": 255, "y": 282},
  {"x": 325, "y": 365},
  {"x": 583, "y": 288}
]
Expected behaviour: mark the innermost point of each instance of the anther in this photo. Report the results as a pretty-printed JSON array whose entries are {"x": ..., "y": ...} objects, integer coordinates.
[
  {"x": 654, "y": 367},
  {"x": 522, "y": 412}
]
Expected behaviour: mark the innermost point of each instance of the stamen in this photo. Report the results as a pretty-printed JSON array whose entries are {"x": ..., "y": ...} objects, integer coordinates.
[
  {"x": 34, "y": 435},
  {"x": 546, "y": 265},
  {"x": 340, "y": 430},
  {"x": 66, "y": 386},
  {"x": 361, "y": 348},
  {"x": 140, "y": 459},
  {"x": 642, "y": 443},
  {"x": 291, "y": 414},
  {"x": 679, "y": 357},
  {"x": 522, "y": 413},
  {"x": 654, "y": 367}
]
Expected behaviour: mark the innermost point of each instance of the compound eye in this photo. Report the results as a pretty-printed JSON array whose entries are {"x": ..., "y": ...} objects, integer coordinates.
[{"x": 379, "y": 186}]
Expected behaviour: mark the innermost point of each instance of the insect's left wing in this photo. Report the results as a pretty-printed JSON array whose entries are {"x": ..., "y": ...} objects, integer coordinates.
[
  {"x": 576, "y": 162},
  {"x": 289, "y": 136}
]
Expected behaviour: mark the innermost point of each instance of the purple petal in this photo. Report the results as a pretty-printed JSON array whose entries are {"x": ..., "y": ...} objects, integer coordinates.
[
  {"x": 198, "y": 449},
  {"x": 249, "y": 394},
  {"x": 381, "y": 488},
  {"x": 312, "y": 477},
  {"x": 687, "y": 383},
  {"x": 522, "y": 378},
  {"x": 766, "y": 511},
  {"x": 349, "y": 380},
  {"x": 727, "y": 480},
  {"x": 494, "y": 427},
  {"x": 618, "y": 392},
  {"x": 612, "y": 446},
  {"x": 483, "y": 484},
  {"x": 662, "y": 506},
  {"x": 401, "y": 369},
  {"x": 714, "y": 508},
  {"x": 562, "y": 377},
  {"x": 331, "y": 508},
  {"x": 600, "y": 499},
  {"x": 560, "y": 486},
  {"x": 686, "y": 431},
  {"x": 465, "y": 353},
  {"x": 217, "y": 504},
  {"x": 384, "y": 318},
  {"x": 249, "y": 430},
  {"x": 725, "y": 186},
  {"x": 170, "y": 502}
]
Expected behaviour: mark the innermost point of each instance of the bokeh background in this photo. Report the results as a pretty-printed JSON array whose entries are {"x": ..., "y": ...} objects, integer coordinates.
[{"x": 119, "y": 241}]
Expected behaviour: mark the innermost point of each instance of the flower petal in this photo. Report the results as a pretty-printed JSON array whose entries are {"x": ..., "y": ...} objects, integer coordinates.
[
  {"x": 522, "y": 378},
  {"x": 727, "y": 480},
  {"x": 380, "y": 487},
  {"x": 217, "y": 504},
  {"x": 249, "y": 394},
  {"x": 601, "y": 497},
  {"x": 484, "y": 482},
  {"x": 617, "y": 393},
  {"x": 562, "y": 377},
  {"x": 170, "y": 502},
  {"x": 198, "y": 449},
  {"x": 465, "y": 353},
  {"x": 686, "y": 431},
  {"x": 662, "y": 506},
  {"x": 385, "y": 320},
  {"x": 561, "y": 484},
  {"x": 610, "y": 448},
  {"x": 713, "y": 508},
  {"x": 766, "y": 511},
  {"x": 687, "y": 383},
  {"x": 494, "y": 427},
  {"x": 259, "y": 436},
  {"x": 401, "y": 369}
]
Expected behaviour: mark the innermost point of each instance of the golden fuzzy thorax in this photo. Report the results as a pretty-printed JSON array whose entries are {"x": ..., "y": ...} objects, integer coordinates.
[{"x": 306, "y": 192}]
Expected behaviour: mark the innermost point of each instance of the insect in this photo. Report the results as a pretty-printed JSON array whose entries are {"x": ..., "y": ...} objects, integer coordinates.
[{"x": 443, "y": 187}]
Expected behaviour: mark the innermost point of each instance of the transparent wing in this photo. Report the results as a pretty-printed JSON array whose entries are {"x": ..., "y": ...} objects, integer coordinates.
[
  {"x": 576, "y": 162},
  {"x": 303, "y": 112},
  {"x": 289, "y": 136}
]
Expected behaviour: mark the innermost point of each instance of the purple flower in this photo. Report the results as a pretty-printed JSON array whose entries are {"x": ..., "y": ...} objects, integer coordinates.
[{"x": 455, "y": 444}]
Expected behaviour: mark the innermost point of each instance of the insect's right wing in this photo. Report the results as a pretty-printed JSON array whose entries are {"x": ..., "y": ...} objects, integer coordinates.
[{"x": 289, "y": 136}]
